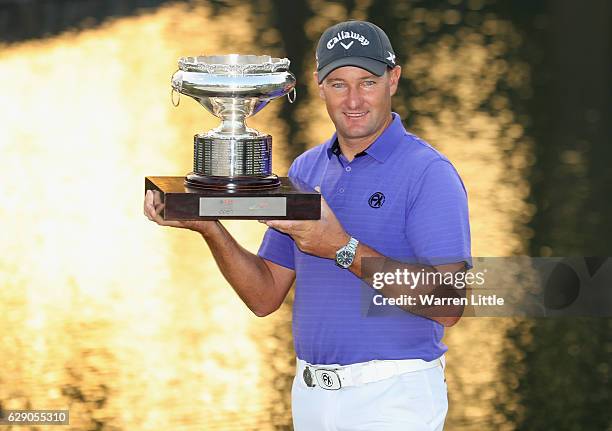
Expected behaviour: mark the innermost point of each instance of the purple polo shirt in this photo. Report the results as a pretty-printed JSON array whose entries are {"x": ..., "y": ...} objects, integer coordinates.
[{"x": 404, "y": 199}]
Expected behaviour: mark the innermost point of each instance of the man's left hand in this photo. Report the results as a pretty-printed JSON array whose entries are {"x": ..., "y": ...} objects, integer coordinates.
[{"x": 321, "y": 237}]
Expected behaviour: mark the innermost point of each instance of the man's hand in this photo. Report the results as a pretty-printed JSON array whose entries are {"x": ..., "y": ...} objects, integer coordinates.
[
  {"x": 321, "y": 237},
  {"x": 153, "y": 207}
]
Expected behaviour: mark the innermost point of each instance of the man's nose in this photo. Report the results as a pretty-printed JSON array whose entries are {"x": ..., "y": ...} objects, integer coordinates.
[{"x": 355, "y": 98}]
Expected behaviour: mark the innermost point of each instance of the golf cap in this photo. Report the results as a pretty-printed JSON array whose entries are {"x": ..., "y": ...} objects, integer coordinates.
[{"x": 354, "y": 43}]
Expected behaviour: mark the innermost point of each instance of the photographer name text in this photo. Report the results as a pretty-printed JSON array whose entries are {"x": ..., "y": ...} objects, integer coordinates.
[{"x": 433, "y": 300}]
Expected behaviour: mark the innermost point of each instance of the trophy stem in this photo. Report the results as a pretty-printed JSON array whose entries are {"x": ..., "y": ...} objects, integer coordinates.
[
  {"x": 232, "y": 126},
  {"x": 233, "y": 113}
]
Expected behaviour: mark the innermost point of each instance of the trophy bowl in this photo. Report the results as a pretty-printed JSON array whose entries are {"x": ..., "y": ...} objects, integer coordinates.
[{"x": 233, "y": 87}]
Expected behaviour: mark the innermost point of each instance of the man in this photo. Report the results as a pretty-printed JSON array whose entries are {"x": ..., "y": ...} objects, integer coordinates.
[{"x": 388, "y": 198}]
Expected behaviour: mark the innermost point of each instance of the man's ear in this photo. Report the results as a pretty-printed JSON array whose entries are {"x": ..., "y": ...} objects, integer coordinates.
[
  {"x": 316, "y": 78},
  {"x": 394, "y": 77}
]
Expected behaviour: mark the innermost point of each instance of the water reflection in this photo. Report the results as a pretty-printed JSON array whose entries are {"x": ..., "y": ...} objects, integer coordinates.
[{"x": 131, "y": 326}]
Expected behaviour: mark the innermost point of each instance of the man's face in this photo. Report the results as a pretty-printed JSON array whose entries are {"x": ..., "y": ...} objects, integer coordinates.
[{"x": 358, "y": 102}]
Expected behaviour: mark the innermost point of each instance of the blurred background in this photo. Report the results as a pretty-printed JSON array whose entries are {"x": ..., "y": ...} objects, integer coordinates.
[{"x": 131, "y": 327}]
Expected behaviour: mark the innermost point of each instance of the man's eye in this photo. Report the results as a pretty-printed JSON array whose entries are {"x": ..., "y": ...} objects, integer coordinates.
[
  {"x": 369, "y": 83},
  {"x": 337, "y": 85}
]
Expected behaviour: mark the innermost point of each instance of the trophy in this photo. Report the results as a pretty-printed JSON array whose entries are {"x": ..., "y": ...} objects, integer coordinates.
[{"x": 232, "y": 164}]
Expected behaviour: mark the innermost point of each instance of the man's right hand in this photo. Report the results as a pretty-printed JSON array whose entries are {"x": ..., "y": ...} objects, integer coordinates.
[{"x": 153, "y": 207}]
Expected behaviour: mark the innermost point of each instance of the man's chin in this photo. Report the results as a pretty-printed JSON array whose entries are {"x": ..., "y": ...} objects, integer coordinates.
[{"x": 354, "y": 133}]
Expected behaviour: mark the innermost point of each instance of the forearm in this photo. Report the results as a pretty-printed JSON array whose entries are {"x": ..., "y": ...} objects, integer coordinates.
[
  {"x": 246, "y": 272},
  {"x": 368, "y": 262}
]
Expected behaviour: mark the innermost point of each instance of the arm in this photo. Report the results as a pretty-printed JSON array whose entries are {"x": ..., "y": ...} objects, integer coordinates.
[
  {"x": 325, "y": 236},
  {"x": 447, "y": 315},
  {"x": 261, "y": 284}
]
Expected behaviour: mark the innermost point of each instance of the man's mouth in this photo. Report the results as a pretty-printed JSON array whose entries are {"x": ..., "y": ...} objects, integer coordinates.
[{"x": 355, "y": 114}]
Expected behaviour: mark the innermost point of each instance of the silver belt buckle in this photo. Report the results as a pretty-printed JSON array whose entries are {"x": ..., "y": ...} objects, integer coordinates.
[
  {"x": 328, "y": 379},
  {"x": 307, "y": 376}
]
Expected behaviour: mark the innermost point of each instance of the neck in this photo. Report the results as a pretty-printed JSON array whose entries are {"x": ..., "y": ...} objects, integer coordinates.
[{"x": 352, "y": 146}]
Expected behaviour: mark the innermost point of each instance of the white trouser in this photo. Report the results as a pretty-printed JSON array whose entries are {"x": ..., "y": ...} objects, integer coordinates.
[{"x": 410, "y": 401}]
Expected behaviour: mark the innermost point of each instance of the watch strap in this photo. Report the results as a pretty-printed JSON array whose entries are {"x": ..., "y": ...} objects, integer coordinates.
[{"x": 352, "y": 245}]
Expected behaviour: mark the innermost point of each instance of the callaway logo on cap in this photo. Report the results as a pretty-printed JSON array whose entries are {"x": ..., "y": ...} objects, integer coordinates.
[{"x": 354, "y": 43}]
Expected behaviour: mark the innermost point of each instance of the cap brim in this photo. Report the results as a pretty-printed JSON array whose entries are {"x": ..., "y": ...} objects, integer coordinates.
[{"x": 373, "y": 66}]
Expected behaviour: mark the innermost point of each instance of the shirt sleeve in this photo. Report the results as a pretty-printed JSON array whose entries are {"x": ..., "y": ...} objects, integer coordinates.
[
  {"x": 276, "y": 246},
  {"x": 437, "y": 219}
]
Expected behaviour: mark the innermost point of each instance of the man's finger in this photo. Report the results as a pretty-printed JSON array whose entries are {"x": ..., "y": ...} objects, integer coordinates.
[
  {"x": 157, "y": 218},
  {"x": 325, "y": 209},
  {"x": 158, "y": 209},
  {"x": 144, "y": 204},
  {"x": 323, "y": 201},
  {"x": 149, "y": 210},
  {"x": 156, "y": 197},
  {"x": 274, "y": 224},
  {"x": 281, "y": 225}
]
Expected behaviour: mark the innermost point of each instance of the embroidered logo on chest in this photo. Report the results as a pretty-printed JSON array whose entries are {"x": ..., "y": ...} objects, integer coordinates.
[{"x": 376, "y": 200}]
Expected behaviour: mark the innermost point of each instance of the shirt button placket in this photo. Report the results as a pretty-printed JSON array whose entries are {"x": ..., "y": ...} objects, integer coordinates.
[{"x": 341, "y": 189}]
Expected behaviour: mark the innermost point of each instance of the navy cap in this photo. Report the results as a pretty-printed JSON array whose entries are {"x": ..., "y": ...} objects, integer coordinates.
[{"x": 354, "y": 43}]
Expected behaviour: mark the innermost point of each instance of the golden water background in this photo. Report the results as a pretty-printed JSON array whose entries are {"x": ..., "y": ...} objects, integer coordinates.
[{"x": 130, "y": 325}]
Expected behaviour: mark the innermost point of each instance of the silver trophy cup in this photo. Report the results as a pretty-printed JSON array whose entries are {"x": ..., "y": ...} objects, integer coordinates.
[
  {"x": 233, "y": 87},
  {"x": 232, "y": 168}
]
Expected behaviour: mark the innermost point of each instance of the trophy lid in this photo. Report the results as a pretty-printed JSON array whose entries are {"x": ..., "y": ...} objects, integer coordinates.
[{"x": 234, "y": 64}]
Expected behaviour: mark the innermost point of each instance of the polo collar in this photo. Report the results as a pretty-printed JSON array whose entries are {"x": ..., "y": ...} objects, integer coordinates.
[{"x": 381, "y": 147}]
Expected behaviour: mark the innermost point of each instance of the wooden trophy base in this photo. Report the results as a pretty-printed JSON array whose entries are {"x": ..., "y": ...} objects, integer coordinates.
[{"x": 292, "y": 200}]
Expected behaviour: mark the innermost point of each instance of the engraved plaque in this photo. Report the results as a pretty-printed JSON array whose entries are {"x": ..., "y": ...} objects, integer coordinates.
[{"x": 243, "y": 206}]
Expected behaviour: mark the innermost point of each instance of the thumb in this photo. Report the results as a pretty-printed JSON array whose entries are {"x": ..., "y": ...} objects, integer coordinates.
[
  {"x": 323, "y": 202},
  {"x": 325, "y": 209},
  {"x": 318, "y": 189}
]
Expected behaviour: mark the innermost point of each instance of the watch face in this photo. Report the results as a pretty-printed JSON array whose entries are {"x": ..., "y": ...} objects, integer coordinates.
[{"x": 344, "y": 258}]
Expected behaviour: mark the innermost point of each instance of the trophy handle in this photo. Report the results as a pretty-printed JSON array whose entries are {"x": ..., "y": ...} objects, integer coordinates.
[
  {"x": 176, "y": 82},
  {"x": 178, "y": 101},
  {"x": 291, "y": 99}
]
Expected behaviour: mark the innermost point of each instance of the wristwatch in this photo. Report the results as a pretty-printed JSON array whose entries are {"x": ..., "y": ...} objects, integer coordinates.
[{"x": 346, "y": 254}]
